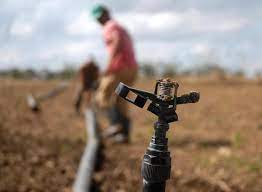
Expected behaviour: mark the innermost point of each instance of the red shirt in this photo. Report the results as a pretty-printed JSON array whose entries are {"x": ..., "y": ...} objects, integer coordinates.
[{"x": 125, "y": 57}]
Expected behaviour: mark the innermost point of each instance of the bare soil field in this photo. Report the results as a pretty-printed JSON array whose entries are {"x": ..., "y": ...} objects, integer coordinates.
[{"x": 216, "y": 145}]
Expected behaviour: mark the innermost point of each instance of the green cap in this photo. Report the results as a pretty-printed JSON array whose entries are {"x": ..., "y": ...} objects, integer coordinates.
[{"x": 97, "y": 11}]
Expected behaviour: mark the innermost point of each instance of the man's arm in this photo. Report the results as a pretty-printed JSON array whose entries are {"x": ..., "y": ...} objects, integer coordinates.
[{"x": 116, "y": 46}]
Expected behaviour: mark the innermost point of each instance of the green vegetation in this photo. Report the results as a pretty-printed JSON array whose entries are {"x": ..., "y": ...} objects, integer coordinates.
[
  {"x": 238, "y": 139},
  {"x": 68, "y": 72},
  {"x": 249, "y": 165},
  {"x": 148, "y": 69},
  {"x": 170, "y": 71}
]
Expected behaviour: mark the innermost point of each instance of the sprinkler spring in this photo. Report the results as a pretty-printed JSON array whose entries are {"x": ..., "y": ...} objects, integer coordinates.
[{"x": 156, "y": 165}]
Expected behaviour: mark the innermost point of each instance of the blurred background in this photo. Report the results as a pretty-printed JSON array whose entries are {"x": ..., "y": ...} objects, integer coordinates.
[{"x": 210, "y": 46}]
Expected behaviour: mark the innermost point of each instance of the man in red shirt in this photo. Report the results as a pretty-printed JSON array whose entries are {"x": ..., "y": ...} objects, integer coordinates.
[{"x": 122, "y": 67}]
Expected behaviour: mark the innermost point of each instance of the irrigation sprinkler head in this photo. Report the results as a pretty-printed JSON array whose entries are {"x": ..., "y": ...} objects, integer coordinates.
[
  {"x": 32, "y": 103},
  {"x": 162, "y": 102},
  {"x": 156, "y": 165}
]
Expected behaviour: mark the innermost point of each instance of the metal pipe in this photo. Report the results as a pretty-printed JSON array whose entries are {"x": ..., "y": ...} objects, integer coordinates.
[
  {"x": 54, "y": 92},
  {"x": 34, "y": 101},
  {"x": 83, "y": 181}
]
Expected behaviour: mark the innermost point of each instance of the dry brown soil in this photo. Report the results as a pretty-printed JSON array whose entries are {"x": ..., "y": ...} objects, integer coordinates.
[{"x": 216, "y": 145}]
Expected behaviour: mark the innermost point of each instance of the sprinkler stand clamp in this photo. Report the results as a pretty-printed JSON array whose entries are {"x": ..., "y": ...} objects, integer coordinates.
[{"x": 156, "y": 165}]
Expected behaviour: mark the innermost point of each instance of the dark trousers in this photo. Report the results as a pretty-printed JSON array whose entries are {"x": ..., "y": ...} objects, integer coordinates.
[{"x": 117, "y": 118}]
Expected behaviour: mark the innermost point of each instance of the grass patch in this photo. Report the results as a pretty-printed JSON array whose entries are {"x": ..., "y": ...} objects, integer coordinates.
[
  {"x": 238, "y": 139},
  {"x": 254, "y": 166}
]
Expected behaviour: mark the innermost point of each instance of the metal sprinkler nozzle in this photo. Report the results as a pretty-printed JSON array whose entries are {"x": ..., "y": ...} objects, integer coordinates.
[
  {"x": 156, "y": 165},
  {"x": 167, "y": 89}
]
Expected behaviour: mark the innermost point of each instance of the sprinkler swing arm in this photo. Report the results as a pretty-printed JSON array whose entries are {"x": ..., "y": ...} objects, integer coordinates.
[
  {"x": 156, "y": 165},
  {"x": 154, "y": 107}
]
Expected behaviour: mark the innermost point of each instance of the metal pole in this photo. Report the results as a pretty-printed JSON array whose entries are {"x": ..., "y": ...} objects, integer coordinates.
[{"x": 83, "y": 181}]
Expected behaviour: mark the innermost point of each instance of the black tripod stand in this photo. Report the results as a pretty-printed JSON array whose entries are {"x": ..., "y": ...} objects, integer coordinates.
[{"x": 156, "y": 165}]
